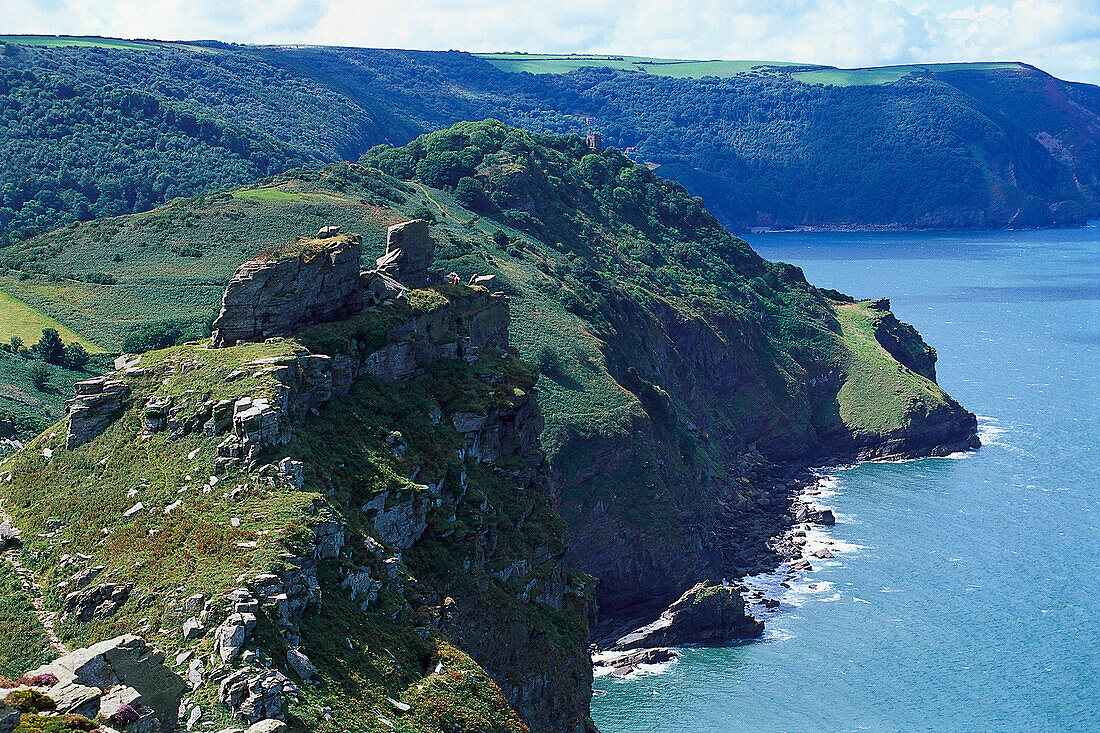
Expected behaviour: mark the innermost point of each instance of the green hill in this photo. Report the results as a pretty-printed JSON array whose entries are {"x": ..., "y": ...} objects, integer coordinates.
[
  {"x": 766, "y": 144},
  {"x": 667, "y": 347}
]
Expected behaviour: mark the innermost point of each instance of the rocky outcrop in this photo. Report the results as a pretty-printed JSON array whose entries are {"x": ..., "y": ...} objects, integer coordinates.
[
  {"x": 705, "y": 614},
  {"x": 315, "y": 282},
  {"x": 103, "y": 601},
  {"x": 123, "y": 670},
  {"x": 409, "y": 253},
  {"x": 97, "y": 404}
]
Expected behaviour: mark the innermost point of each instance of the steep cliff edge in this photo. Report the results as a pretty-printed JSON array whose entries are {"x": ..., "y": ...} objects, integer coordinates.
[
  {"x": 685, "y": 382},
  {"x": 345, "y": 527}
]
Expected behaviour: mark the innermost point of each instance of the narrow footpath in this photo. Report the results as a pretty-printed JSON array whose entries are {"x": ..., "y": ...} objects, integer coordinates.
[{"x": 46, "y": 617}]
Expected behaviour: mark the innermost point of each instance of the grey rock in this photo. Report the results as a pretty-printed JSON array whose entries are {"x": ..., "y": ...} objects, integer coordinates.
[
  {"x": 409, "y": 253},
  {"x": 274, "y": 297},
  {"x": 102, "y": 601},
  {"x": 229, "y": 638},
  {"x": 300, "y": 663},
  {"x": 253, "y": 696},
  {"x": 76, "y": 698},
  {"x": 125, "y": 660},
  {"x": 97, "y": 404},
  {"x": 193, "y": 629},
  {"x": 9, "y": 718},
  {"x": 268, "y": 726},
  {"x": 328, "y": 231}
]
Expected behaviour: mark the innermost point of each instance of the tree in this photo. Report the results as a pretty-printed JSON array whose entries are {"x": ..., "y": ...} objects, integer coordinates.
[
  {"x": 40, "y": 376},
  {"x": 50, "y": 348},
  {"x": 75, "y": 357},
  {"x": 15, "y": 345}
]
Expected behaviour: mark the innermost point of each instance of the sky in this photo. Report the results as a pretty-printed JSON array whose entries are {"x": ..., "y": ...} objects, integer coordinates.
[{"x": 1059, "y": 36}]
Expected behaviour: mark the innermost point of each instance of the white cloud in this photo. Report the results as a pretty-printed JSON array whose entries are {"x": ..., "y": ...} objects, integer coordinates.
[{"x": 1061, "y": 36}]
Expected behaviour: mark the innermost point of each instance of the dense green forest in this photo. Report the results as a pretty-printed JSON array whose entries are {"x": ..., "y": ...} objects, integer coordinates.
[{"x": 98, "y": 131}]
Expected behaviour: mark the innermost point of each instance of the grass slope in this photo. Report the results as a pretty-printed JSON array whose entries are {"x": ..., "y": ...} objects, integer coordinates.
[
  {"x": 24, "y": 644},
  {"x": 80, "y": 41},
  {"x": 19, "y": 319},
  {"x": 184, "y": 540}
]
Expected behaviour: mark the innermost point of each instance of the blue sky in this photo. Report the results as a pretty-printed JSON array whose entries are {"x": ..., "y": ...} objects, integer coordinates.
[{"x": 1061, "y": 36}]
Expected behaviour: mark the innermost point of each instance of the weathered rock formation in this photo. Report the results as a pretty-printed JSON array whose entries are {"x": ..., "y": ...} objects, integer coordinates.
[
  {"x": 705, "y": 614},
  {"x": 316, "y": 281},
  {"x": 97, "y": 404},
  {"x": 409, "y": 253},
  {"x": 124, "y": 670}
]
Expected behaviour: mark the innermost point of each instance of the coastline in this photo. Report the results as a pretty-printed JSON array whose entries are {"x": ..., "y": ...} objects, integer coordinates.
[{"x": 788, "y": 554}]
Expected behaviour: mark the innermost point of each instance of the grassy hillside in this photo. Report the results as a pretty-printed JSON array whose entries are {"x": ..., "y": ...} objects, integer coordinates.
[
  {"x": 936, "y": 145},
  {"x": 667, "y": 347},
  {"x": 202, "y": 530}
]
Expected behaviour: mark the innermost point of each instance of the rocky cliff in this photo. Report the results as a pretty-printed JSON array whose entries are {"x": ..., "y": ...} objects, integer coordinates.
[{"x": 348, "y": 523}]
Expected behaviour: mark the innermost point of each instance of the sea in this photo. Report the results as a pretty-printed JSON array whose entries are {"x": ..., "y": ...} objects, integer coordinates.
[{"x": 964, "y": 592}]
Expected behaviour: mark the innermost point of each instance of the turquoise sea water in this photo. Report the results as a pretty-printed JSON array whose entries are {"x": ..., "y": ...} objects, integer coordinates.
[{"x": 968, "y": 599}]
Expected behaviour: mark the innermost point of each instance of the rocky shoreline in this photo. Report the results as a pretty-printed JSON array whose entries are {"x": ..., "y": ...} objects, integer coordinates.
[{"x": 780, "y": 549}]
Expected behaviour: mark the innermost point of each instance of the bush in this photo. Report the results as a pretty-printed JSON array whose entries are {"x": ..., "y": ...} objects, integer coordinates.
[
  {"x": 40, "y": 377},
  {"x": 50, "y": 347},
  {"x": 124, "y": 715},
  {"x": 501, "y": 238},
  {"x": 30, "y": 701},
  {"x": 55, "y": 724},
  {"x": 75, "y": 357},
  {"x": 39, "y": 680},
  {"x": 15, "y": 346},
  {"x": 6, "y": 684},
  {"x": 152, "y": 337}
]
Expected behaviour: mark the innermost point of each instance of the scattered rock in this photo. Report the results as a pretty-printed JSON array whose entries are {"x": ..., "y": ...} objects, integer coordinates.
[
  {"x": 300, "y": 663},
  {"x": 193, "y": 629}
]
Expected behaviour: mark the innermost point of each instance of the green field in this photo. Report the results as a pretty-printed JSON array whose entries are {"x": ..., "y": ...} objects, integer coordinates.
[
  {"x": 24, "y": 644},
  {"x": 886, "y": 74},
  {"x": 55, "y": 41},
  {"x": 678, "y": 68},
  {"x": 687, "y": 68},
  {"x": 19, "y": 319},
  {"x": 270, "y": 195}
]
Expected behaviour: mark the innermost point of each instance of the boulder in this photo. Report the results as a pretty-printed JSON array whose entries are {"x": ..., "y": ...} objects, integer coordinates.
[
  {"x": 123, "y": 661},
  {"x": 229, "y": 638},
  {"x": 268, "y": 726},
  {"x": 328, "y": 231},
  {"x": 300, "y": 663},
  {"x": 409, "y": 253},
  {"x": 99, "y": 602},
  {"x": 9, "y": 718},
  {"x": 253, "y": 696},
  {"x": 276, "y": 295},
  {"x": 193, "y": 629}
]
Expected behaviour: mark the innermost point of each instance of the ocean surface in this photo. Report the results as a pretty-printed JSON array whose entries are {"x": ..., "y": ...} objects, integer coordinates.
[{"x": 967, "y": 594}]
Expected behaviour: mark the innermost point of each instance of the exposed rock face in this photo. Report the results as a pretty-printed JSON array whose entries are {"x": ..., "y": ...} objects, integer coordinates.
[
  {"x": 126, "y": 669},
  {"x": 409, "y": 253},
  {"x": 705, "y": 614},
  {"x": 103, "y": 601},
  {"x": 97, "y": 404},
  {"x": 279, "y": 296},
  {"x": 254, "y": 696}
]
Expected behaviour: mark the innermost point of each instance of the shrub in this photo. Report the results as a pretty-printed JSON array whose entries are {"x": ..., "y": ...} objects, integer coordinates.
[
  {"x": 152, "y": 337},
  {"x": 55, "y": 724},
  {"x": 40, "y": 376},
  {"x": 30, "y": 701},
  {"x": 75, "y": 357},
  {"x": 124, "y": 715},
  {"x": 45, "y": 679},
  {"x": 50, "y": 347},
  {"x": 15, "y": 346},
  {"x": 6, "y": 684},
  {"x": 501, "y": 238}
]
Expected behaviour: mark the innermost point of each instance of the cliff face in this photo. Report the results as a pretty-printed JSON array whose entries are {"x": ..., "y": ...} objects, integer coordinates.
[
  {"x": 362, "y": 504},
  {"x": 310, "y": 282}
]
